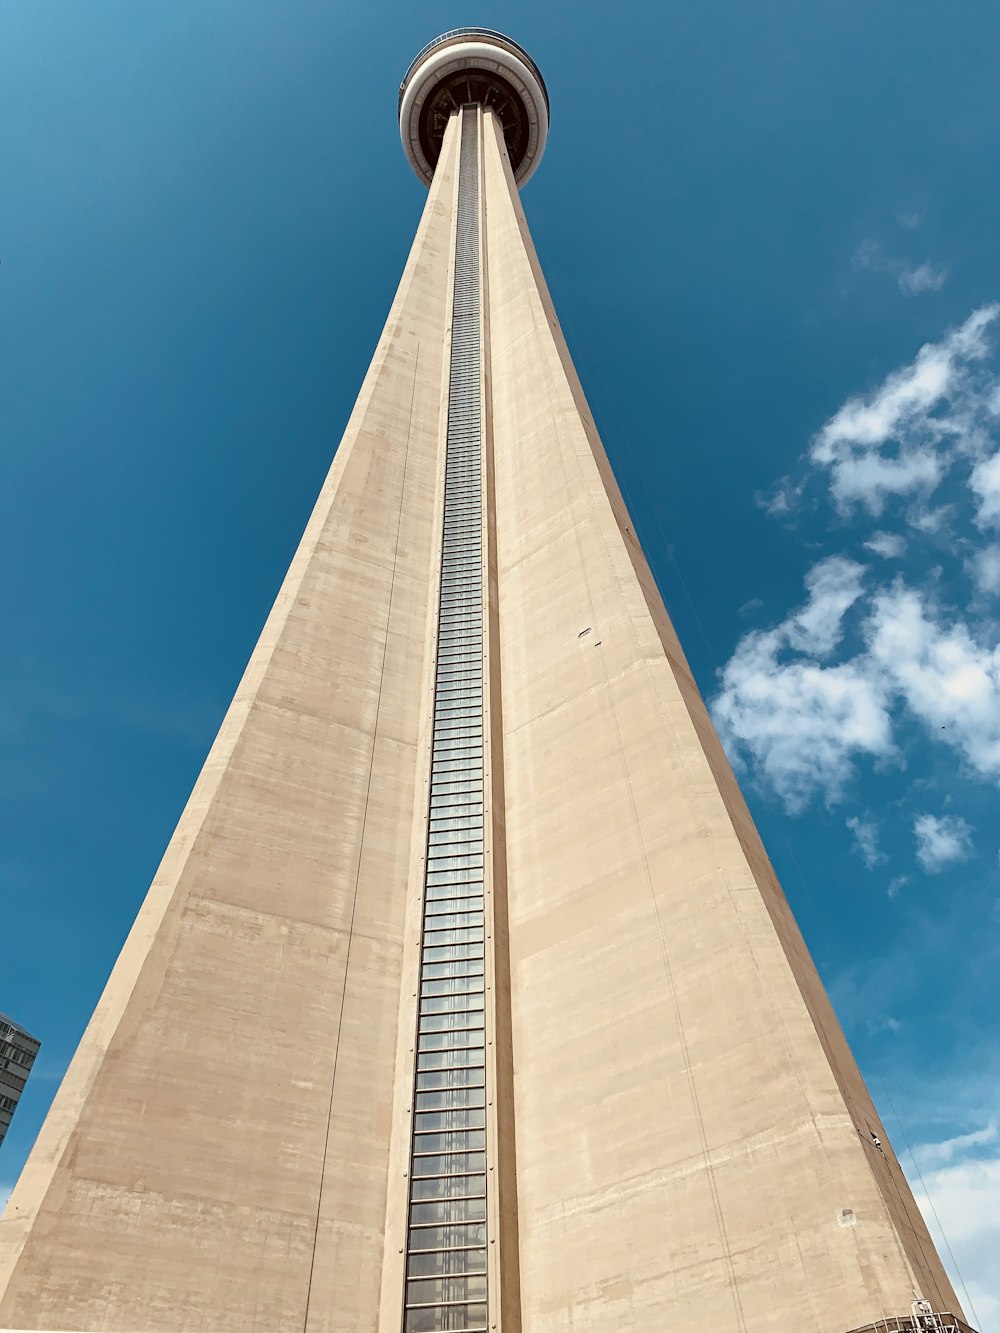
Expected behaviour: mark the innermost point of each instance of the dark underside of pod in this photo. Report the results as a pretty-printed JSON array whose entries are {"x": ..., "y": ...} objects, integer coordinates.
[{"x": 471, "y": 85}]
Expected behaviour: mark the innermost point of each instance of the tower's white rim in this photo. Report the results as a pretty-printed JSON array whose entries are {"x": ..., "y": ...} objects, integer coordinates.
[{"x": 473, "y": 55}]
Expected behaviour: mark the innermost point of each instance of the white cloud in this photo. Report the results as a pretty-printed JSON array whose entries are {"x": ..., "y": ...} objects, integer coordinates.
[
  {"x": 805, "y": 724},
  {"x": 889, "y": 545},
  {"x": 947, "y": 679},
  {"x": 782, "y": 499},
  {"x": 869, "y": 477},
  {"x": 941, "y": 841},
  {"x": 895, "y": 884},
  {"x": 912, "y": 279},
  {"x": 828, "y": 686},
  {"x": 960, "y": 1202},
  {"x": 885, "y": 1024},
  {"x": 985, "y": 481},
  {"x": 890, "y": 441},
  {"x": 868, "y": 255},
  {"x": 834, "y": 585},
  {"x": 930, "y": 521},
  {"x": 984, "y": 569},
  {"x": 941, "y": 1154},
  {"x": 865, "y": 832},
  {"x": 924, "y": 278}
]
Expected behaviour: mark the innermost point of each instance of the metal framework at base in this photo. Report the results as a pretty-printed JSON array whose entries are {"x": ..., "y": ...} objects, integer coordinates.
[{"x": 923, "y": 1318}]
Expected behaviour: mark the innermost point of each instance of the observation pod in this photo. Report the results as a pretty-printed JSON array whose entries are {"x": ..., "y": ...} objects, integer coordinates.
[{"x": 473, "y": 65}]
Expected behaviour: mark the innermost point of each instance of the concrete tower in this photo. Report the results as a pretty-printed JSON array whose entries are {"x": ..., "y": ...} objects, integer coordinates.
[{"x": 465, "y": 996}]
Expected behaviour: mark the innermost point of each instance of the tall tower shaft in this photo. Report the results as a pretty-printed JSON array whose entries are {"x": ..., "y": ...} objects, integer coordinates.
[{"x": 465, "y": 996}]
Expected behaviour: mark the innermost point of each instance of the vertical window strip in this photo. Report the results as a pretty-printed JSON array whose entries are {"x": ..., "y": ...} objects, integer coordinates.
[{"x": 446, "y": 1285}]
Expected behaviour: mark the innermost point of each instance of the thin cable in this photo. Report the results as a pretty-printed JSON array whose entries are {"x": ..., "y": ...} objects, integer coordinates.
[{"x": 927, "y": 1195}]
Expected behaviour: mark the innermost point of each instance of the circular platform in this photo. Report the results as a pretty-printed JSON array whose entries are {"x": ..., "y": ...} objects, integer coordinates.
[{"x": 473, "y": 65}]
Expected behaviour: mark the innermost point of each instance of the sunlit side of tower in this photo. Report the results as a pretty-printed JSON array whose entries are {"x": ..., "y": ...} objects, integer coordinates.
[{"x": 465, "y": 997}]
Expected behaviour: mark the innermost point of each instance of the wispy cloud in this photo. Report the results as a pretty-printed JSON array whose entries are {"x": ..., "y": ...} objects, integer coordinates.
[
  {"x": 895, "y": 441},
  {"x": 947, "y": 1150},
  {"x": 984, "y": 569},
  {"x": 781, "y": 499},
  {"x": 924, "y": 278},
  {"x": 803, "y": 722},
  {"x": 806, "y": 722},
  {"x": 911, "y": 279},
  {"x": 833, "y": 585},
  {"x": 985, "y": 481},
  {"x": 895, "y": 884},
  {"x": 960, "y": 1201},
  {"x": 844, "y": 677},
  {"x": 888, "y": 1023},
  {"x": 948, "y": 679},
  {"x": 889, "y": 545},
  {"x": 941, "y": 841},
  {"x": 865, "y": 832}
]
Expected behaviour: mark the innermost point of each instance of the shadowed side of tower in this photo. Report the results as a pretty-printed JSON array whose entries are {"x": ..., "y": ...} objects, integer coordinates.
[{"x": 219, "y": 1144}]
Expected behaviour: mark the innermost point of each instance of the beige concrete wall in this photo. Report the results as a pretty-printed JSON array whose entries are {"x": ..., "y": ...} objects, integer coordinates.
[
  {"x": 689, "y": 1119},
  {"x": 217, "y": 1154}
]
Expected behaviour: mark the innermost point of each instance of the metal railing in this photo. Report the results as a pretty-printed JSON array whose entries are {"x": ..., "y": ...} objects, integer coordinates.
[
  {"x": 922, "y": 1319},
  {"x": 491, "y": 33}
]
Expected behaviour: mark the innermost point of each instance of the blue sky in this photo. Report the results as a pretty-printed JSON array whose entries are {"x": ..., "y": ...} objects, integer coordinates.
[{"x": 770, "y": 231}]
